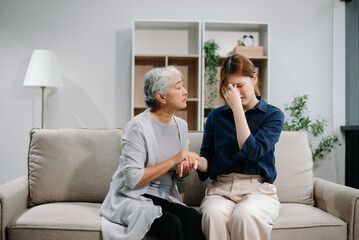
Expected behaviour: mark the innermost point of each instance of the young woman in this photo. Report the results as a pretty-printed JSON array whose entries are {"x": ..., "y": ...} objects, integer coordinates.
[
  {"x": 143, "y": 196},
  {"x": 237, "y": 153}
]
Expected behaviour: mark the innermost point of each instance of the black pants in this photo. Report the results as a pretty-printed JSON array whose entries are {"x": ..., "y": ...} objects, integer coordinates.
[{"x": 177, "y": 222}]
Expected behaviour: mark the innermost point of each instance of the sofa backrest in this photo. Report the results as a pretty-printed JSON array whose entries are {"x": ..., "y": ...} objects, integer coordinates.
[
  {"x": 72, "y": 164},
  {"x": 294, "y": 164},
  {"x": 78, "y": 164}
]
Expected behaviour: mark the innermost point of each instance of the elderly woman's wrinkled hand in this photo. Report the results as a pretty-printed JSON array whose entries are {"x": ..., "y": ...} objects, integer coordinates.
[{"x": 190, "y": 161}]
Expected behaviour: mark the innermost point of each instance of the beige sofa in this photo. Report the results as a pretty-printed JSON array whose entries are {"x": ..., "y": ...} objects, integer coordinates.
[{"x": 70, "y": 171}]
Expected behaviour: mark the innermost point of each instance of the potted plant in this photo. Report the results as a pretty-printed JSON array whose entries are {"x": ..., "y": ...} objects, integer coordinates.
[
  {"x": 211, "y": 60},
  {"x": 299, "y": 120}
]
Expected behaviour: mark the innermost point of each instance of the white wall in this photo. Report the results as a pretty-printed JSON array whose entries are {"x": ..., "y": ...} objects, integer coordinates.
[{"x": 93, "y": 41}]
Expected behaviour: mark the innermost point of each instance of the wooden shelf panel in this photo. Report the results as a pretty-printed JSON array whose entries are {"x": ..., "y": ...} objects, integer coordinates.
[
  {"x": 189, "y": 114},
  {"x": 188, "y": 65},
  {"x": 189, "y": 69},
  {"x": 142, "y": 66},
  {"x": 150, "y": 58},
  {"x": 144, "y": 106},
  {"x": 221, "y": 58},
  {"x": 165, "y": 56},
  {"x": 138, "y": 110}
]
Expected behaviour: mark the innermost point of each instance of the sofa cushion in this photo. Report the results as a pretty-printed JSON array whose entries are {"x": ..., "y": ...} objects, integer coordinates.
[
  {"x": 83, "y": 221},
  {"x": 294, "y": 165},
  {"x": 294, "y": 181},
  {"x": 301, "y": 221},
  {"x": 58, "y": 221},
  {"x": 72, "y": 164}
]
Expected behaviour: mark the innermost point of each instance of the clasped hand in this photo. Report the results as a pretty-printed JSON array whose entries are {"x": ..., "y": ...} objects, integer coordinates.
[{"x": 187, "y": 161}]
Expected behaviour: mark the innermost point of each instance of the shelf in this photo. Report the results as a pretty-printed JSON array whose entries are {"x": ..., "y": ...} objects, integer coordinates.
[
  {"x": 142, "y": 66},
  {"x": 150, "y": 57},
  {"x": 226, "y": 35},
  {"x": 184, "y": 114},
  {"x": 155, "y": 37},
  {"x": 139, "y": 110},
  {"x": 158, "y": 43},
  {"x": 221, "y": 58},
  {"x": 250, "y": 57},
  {"x": 188, "y": 115},
  {"x": 227, "y": 26},
  {"x": 168, "y": 43},
  {"x": 164, "y": 56},
  {"x": 189, "y": 69},
  {"x": 188, "y": 65}
]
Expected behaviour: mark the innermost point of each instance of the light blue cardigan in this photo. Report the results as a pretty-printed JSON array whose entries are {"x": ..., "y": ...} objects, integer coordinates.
[{"x": 126, "y": 213}]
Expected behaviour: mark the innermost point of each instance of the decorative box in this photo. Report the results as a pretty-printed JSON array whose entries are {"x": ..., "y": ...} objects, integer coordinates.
[{"x": 249, "y": 51}]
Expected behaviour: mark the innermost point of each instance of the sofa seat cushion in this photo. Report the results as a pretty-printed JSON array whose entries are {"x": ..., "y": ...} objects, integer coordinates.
[
  {"x": 76, "y": 220},
  {"x": 63, "y": 220},
  {"x": 300, "y": 221}
]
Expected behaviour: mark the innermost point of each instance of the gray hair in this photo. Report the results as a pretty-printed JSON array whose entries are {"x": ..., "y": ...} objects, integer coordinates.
[{"x": 157, "y": 81}]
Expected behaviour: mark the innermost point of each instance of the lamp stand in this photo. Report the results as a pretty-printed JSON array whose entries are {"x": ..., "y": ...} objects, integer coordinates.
[{"x": 42, "y": 107}]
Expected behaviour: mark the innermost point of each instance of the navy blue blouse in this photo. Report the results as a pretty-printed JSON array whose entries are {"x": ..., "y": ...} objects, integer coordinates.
[{"x": 220, "y": 145}]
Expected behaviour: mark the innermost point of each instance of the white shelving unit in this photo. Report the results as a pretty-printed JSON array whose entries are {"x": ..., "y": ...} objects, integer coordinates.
[
  {"x": 157, "y": 43},
  {"x": 227, "y": 35}
]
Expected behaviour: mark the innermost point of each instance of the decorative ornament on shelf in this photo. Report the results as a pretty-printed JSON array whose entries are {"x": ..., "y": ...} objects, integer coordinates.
[
  {"x": 246, "y": 47},
  {"x": 212, "y": 61},
  {"x": 248, "y": 41}
]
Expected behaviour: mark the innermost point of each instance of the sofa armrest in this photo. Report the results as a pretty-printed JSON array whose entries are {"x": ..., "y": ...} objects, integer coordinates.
[
  {"x": 13, "y": 201},
  {"x": 340, "y": 201}
]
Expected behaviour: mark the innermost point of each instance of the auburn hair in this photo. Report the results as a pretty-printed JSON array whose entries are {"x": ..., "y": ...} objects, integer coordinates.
[{"x": 236, "y": 65}]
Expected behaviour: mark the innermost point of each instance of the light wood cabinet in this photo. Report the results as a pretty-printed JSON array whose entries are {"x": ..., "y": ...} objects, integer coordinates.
[{"x": 158, "y": 43}]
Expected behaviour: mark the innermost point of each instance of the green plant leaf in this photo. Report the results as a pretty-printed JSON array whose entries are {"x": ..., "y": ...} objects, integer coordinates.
[
  {"x": 212, "y": 61},
  {"x": 299, "y": 120}
]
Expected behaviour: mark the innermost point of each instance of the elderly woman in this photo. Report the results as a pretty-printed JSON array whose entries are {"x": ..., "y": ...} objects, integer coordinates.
[{"x": 143, "y": 197}]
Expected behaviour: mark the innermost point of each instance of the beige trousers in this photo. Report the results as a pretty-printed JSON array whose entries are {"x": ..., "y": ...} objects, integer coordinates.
[{"x": 238, "y": 206}]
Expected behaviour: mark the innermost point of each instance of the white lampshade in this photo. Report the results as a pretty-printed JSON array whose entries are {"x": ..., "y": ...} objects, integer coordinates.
[{"x": 43, "y": 70}]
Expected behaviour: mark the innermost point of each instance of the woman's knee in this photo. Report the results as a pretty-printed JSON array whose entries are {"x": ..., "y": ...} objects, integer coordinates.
[
  {"x": 215, "y": 212},
  {"x": 168, "y": 226},
  {"x": 241, "y": 216},
  {"x": 169, "y": 223},
  {"x": 192, "y": 213},
  {"x": 174, "y": 223}
]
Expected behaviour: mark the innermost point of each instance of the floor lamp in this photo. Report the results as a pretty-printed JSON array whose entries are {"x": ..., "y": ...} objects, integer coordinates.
[{"x": 44, "y": 72}]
